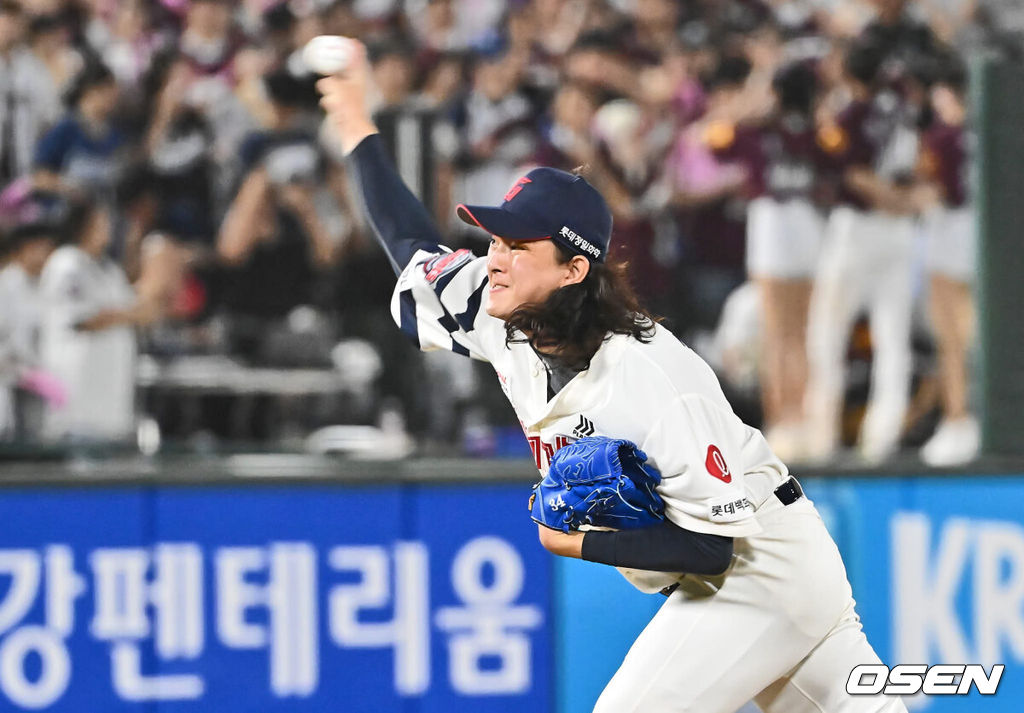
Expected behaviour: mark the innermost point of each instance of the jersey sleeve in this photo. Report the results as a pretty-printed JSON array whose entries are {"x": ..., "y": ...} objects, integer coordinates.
[
  {"x": 53, "y": 147},
  {"x": 440, "y": 303},
  {"x": 694, "y": 443}
]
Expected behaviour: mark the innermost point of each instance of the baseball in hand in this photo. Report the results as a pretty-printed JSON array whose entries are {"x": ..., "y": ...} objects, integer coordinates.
[{"x": 328, "y": 54}]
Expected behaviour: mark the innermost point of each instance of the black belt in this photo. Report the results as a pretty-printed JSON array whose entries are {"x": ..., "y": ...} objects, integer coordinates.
[{"x": 789, "y": 492}]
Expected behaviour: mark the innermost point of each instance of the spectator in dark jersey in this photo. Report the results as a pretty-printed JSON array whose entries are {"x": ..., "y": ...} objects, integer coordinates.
[
  {"x": 866, "y": 263},
  {"x": 949, "y": 225},
  {"x": 272, "y": 240},
  {"x": 83, "y": 152},
  {"x": 903, "y": 39},
  {"x": 170, "y": 189},
  {"x": 179, "y": 171}
]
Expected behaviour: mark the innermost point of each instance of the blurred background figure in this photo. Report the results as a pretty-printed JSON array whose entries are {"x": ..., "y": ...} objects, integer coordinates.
[
  {"x": 784, "y": 232},
  {"x": 127, "y": 37},
  {"x": 29, "y": 102},
  {"x": 867, "y": 261},
  {"x": 89, "y": 313},
  {"x": 711, "y": 185},
  {"x": 273, "y": 245},
  {"x": 23, "y": 382},
  {"x": 84, "y": 154},
  {"x": 496, "y": 128},
  {"x": 950, "y": 232}
]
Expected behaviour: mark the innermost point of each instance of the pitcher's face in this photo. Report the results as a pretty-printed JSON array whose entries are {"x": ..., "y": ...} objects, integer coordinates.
[{"x": 522, "y": 272}]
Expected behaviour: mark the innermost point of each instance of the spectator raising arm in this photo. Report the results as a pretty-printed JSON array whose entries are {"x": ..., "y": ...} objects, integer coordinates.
[
  {"x": 240, "y": 229},
  {"x": 144, "y": 313}
]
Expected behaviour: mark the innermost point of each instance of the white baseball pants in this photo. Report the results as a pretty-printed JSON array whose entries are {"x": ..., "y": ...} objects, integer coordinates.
[
  {"x": 866, "y": 264},
  {"x": 779, "y": 627}
]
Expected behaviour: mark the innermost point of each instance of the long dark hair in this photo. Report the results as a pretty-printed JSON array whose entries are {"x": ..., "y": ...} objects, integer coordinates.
[{"x": 573, "y": 322}]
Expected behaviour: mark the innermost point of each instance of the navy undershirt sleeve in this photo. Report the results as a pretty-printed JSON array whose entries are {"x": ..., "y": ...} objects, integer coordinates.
[
  {"x": 662, "y": 548},
  {"x": 398, "y": 219}
]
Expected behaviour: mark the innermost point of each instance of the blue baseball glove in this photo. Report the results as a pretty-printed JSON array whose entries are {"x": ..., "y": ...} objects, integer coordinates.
[{"x": 601, "y": 482}]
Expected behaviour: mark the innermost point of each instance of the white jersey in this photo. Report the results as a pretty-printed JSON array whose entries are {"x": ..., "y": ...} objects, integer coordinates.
[
  {"x": 96, "y": 367},
  {"x": 19, "y": 335},
  {"x": 716, "y": 471}
]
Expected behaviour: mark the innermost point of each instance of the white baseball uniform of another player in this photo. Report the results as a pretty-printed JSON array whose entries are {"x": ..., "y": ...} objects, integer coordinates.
[
  {"x": 867, "y": 264},
  {"x": 97, "y": 367},
  {"x": 19, "y": 320},
  {"x": 779, "y": 626}
]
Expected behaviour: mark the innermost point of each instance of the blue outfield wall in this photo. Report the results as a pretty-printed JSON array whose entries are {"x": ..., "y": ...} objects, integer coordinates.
[
  {"x": 301, "y": 599},
  {"x": 937, "y": 568},
  {"x": 413, "y": 598}
]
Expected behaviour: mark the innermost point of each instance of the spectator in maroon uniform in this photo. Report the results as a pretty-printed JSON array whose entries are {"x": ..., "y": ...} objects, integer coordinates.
[
  {"x": 949, "y": 224},
  {"x": 866, "y": 263},
  {"x": 784, "y": 233}
]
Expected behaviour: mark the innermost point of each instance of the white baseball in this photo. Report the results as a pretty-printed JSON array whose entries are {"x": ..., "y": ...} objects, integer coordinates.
[{"x": 328, "y": 54}]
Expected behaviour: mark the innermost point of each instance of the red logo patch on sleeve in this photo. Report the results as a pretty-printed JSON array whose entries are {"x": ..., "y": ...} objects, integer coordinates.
[
  {"x": 441, "y": 264},
  {"x": 716, "y": 465}
]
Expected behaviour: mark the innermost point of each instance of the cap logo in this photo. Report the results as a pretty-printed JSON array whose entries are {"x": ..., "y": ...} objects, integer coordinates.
[
  {"x": 514, "y": 191},
  {"x": 581, "y": 243}
]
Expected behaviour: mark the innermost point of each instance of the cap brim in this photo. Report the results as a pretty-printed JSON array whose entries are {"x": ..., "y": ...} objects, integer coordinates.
[{"x": 498, "y": 221}]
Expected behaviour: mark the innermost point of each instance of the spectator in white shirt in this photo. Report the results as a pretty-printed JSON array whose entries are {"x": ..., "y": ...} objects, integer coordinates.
[
  {"x": 28, "y": 103},
  {"x": 88, "y": 338},
  {"x": 23, "y": 253}
]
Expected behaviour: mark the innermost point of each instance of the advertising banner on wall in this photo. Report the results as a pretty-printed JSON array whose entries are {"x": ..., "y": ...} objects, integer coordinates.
[
  {"x": 937, "y": 568},
  {"x": 273, "y": 599}
]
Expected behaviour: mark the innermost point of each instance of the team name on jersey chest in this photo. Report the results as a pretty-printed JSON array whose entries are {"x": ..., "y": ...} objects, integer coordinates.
[{"x": 543, "y": 450}]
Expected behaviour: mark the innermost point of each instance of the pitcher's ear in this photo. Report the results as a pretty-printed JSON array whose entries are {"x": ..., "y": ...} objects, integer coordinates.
[{"x": 577, "y": 270}]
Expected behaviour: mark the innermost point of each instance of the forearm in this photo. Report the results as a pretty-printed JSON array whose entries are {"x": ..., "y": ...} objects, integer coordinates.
[
  {"x": 110, "y": 318},
  {"x": 43, "y": 179},
  {"x": 662, "y": 548},
  {"x": 878, "y": 192},
  {"x": 323, "y": 247},
  {"x": 157, "y": 130},
  {"x": 400, "y": 222},
  {"x": 561, "y": 543},
  {"x": 239, "y": 230}
]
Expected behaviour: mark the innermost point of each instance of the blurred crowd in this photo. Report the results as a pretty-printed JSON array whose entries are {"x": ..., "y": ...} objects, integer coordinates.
[{"x": 789, "y": 180}]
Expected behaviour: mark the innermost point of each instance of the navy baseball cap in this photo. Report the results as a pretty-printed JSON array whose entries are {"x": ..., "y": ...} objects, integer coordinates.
[{"x": 549, "y": 204}]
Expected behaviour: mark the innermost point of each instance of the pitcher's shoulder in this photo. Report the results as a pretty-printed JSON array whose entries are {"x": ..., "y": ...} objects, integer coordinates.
[{"x": 664, "y": 358}]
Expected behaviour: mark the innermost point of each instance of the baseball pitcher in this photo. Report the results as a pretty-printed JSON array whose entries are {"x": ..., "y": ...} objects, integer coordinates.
[{"x": 644, "y": 464}]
